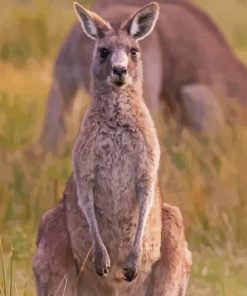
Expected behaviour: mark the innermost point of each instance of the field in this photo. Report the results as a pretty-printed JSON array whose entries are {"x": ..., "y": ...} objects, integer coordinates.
[{"x": 205, "y": 177}]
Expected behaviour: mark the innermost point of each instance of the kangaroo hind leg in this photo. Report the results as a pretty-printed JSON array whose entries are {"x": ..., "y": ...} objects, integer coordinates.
[{"x": 171, "y": 273}]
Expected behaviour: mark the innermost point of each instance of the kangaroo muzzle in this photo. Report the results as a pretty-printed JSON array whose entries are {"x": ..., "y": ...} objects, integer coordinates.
[{"x": 119, "y": 74}]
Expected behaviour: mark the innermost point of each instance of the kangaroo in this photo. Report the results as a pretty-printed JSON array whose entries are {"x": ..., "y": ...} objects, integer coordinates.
[
  {"x": 185, "y": 67},
  {"x": 116, "y": 154},
  {"x": 112, "y": 204}
]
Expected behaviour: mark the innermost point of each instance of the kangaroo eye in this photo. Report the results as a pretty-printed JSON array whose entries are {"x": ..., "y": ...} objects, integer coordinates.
[
  {"x": 104, "y": 52},
  {"x": 134, "y": 52}
]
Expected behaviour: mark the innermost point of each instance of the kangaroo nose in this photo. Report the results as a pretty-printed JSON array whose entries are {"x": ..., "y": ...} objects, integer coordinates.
[{"x": 119, "y": 70}]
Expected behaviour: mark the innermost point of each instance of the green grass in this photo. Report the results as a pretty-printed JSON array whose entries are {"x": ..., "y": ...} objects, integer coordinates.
[{"x": 206, "y": 178}]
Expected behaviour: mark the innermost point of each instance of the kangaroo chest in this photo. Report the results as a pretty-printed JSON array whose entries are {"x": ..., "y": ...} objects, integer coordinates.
[{"x": 116, "y": 156}]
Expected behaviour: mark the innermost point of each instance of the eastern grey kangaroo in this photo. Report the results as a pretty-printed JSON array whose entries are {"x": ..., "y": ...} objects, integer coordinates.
[{"x": 112, "y": 204}]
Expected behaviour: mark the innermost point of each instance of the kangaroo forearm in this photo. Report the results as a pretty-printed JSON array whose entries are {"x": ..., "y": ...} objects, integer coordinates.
[
  {"x": 86, "y": 204},
  {"x": 145, "y": 197},
  {"x": 142, "y": 221}
]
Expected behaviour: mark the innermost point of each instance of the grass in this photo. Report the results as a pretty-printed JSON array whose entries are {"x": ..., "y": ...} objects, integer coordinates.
[{"x": 205, "y": 177}]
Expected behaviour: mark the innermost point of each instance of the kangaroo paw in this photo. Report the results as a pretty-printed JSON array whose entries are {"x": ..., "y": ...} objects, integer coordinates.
[
  {"x": 131, "y": 266},
  {"x": 102, "y": 262}
]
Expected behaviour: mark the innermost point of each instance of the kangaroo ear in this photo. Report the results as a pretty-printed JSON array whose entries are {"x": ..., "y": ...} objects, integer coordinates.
[
  {"x": 142, "y": 22},
  {"x": 92, "y": 24}
]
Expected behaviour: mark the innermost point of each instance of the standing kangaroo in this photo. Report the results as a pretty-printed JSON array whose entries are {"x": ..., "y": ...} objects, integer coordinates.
[
  {"x": 187, "y": 63},
  {"x": 113, "y": 203}
]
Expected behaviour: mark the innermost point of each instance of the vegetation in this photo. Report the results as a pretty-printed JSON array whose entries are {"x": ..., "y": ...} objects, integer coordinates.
[{"x": 204, "y": 176}]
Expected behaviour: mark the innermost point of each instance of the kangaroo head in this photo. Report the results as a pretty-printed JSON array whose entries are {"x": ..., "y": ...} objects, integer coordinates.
[{"x": 116, "y": 59}]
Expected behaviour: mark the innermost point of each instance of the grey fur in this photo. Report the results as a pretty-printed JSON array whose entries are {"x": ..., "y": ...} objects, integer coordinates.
[
  {"x": 64, "y": 242},
  {"x": 203, "y": 110},
  {"x": 116, "y": 154}
]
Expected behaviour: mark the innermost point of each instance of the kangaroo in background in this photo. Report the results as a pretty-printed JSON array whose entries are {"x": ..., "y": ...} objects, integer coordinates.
[
  {"x": 113, "y": 202},
  {"x": 187, "y": 63}
]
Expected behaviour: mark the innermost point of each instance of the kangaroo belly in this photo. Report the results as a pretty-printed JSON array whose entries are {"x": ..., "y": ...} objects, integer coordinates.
[{"x": 116, "y": 203}]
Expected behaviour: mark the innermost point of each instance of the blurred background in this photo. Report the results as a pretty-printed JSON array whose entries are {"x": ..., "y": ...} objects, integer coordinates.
[{"x": 205, "y": 178}]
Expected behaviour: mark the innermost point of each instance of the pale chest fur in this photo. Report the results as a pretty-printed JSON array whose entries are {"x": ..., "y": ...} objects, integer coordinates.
[
  {"x": 116, "y": 143},
  {"x": 116, "y": 159}
]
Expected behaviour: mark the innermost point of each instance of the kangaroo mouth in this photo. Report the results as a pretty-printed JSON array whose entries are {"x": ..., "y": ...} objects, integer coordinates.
[{"x": 118, "y": 81}]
